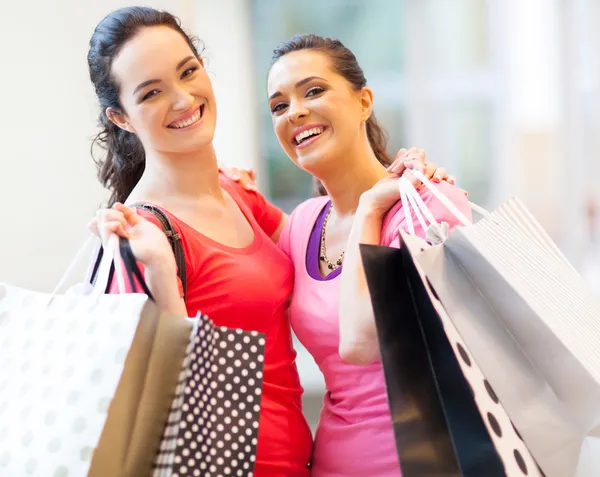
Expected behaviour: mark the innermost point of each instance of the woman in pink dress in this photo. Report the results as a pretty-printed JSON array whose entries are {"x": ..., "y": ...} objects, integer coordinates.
[{"x": 322, "y": 114}]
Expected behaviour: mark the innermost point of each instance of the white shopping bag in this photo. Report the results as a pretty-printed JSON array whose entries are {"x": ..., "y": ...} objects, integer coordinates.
[
  {"x": 533, "y": 326},
  {"x": 75, "y": 373}
]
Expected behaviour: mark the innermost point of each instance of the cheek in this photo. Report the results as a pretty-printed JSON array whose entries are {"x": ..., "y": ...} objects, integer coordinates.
[
  {"x": 152, "y": 118},
  {"x": 280, "y": 131},
  {"x": 148, "y": 124},
  {"x": 337, "y": 107}
]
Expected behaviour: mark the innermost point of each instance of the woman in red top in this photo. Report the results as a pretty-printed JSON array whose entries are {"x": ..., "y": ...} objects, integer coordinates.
[{"x": 158, "y": 122}]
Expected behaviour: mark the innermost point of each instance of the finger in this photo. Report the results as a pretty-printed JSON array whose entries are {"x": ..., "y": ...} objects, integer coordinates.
[
  {"x": 93, "y": 226},
  {"x": 413, "y": 179},
  {"x": 230, "y": 172},
  {"x": 417, "y": 156},
  {"x": 112, "y": 227},
  {"x": 251, "y": 173},
  {"x": 110, "y": 215},
  {"x": 429, "y": 170},
  {"x": 415, "y": 165},
  {"x": 451, "y": 180},
  {"x": 398, "y": 167},
  {"x": 401, "y": 152},
  {"x": 440, "y": 174},
  {"x": 400, "y": 158},
  {"x": 246, "y": 181},
  {"x": 130, "y": 216}
]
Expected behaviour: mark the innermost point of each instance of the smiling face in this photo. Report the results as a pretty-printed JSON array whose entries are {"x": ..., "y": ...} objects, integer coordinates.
[
  {"x": 316, "y": 113},
  {"x": 166, "y": 95}
]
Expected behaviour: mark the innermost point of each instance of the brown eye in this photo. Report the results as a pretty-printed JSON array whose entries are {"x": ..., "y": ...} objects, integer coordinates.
[
  {"x": 189, "y": 72},
  {"x": 314, "y": 91},
  {"x": 150, "y": 94},
  {"x": 278, "y": 107}
]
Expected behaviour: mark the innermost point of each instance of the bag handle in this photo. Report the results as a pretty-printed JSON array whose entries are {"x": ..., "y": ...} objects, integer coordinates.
[
  {"x": 174, "y": 239},
  {"x": 103, "y": 268},
  {"x": 447, "y": 202},
  {"x": 131, "y": 265},
  {"x": 414, "y": 199}
]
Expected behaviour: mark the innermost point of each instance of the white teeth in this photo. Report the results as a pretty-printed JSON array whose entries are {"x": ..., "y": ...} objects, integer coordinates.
[
  {"x": 187, "y": 122},
  {"x": 308, "y": 132}
]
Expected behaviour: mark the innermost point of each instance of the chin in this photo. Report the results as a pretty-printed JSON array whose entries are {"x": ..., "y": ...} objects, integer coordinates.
[
  {"x": 315, "y": 160},
  {"x": 199, "y": 140},
  {"x": 311, "y": 163}
]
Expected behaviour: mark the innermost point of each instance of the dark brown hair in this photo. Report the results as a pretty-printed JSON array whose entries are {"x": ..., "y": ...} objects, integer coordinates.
[
  {"x": 345, "y": 64},
  {"x": 124, "y": 160}
]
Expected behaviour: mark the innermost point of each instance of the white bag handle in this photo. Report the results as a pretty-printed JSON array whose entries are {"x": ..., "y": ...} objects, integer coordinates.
[
  {"x": 419, "y": 207},
  {"x": 408, "y": 203},
  {"x": 406, "y": 206},
  {"x": 411, "y": 192},
  {"x": 111, "y": 253}
]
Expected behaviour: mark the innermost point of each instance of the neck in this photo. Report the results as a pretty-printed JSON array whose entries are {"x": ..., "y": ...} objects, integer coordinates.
[
  {"x": 360, "y": 172},
  {"x": 184, "y": 177}
]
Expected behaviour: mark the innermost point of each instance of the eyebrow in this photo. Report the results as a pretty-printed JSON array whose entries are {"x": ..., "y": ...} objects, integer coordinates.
[
  {"x": 154, "y": 81},
  {"x": 297, "y": 85}
]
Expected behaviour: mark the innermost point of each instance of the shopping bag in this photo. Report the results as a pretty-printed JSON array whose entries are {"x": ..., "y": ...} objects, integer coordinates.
[
  {"x": 213, "y": 423},
  {"x": 86, "y": 381},
  {"x": 447, "y": 420},
  {"x": 212, "y": 428},
  {"x": 531, "y": 323}
]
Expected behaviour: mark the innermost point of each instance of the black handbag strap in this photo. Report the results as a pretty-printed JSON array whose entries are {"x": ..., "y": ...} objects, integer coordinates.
[{"x": 174, "y": 239}]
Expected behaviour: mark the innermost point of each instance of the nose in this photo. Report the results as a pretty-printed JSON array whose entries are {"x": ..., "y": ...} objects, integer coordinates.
[
  {"x": 296, "y": 111},
  {"x": 183, "y": 100}
]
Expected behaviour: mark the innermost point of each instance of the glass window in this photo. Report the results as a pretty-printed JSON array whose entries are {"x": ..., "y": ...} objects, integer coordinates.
[
  {"x": 431, "y": 69},
  {"x": 457, "y": 38},
  {"x": 370, "y": 29}
]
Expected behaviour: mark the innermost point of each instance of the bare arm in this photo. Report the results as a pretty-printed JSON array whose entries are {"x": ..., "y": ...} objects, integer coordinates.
[
  {"x": 358, "y": 335},
  {"x": 162, "y": 282}
]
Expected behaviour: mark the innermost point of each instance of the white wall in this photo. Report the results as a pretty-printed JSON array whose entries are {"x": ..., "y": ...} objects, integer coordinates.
[
  {"x": 225, "y": 29},
  {"x": 48, "y": 185}
]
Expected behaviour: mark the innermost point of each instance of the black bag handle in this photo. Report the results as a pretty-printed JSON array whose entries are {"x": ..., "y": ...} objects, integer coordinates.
[
  {"x": 133, "y": 270},
  {"x": 174, "y": 239}
]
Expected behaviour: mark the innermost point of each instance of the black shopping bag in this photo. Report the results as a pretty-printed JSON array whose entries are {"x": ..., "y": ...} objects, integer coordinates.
[{"x": 441, "y": 428}]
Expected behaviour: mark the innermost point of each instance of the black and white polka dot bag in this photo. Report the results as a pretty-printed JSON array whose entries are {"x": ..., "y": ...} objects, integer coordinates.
[
  {"x": 212, "y": 429},
  {"x": 446, "y": 417}
]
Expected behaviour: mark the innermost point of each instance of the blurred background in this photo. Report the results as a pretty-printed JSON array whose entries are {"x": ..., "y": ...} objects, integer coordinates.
[{"x": 504, "y": 93}]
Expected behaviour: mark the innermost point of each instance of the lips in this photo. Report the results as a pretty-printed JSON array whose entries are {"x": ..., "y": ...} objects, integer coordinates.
[
  {"x": 188, "y": 119},
  {"x": 308, "y": 133}
]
